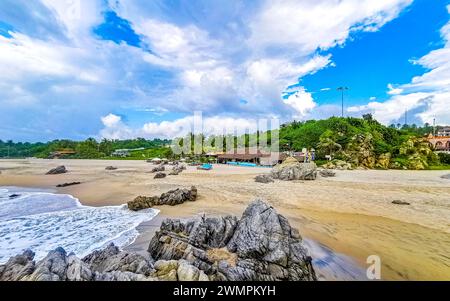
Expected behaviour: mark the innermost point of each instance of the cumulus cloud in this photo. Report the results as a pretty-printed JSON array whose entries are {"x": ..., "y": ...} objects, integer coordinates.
[
  {"x": 59, "y": 72},
  {"x": 114, "y": 128}
]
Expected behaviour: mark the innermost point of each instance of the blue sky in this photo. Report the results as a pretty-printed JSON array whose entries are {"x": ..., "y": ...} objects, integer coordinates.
[{"x": 135, "y": 68}]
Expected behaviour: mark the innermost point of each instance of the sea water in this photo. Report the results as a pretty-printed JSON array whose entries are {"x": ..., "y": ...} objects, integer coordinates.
[{"x": 42, "y": 221}]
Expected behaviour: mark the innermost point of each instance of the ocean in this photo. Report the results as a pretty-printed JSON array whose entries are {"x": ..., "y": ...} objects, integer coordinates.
[{"x": 42, "y": 221}]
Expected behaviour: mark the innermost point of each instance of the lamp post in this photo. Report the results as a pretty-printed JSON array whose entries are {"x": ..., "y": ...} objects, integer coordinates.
[{"x": 342, "y": 89}]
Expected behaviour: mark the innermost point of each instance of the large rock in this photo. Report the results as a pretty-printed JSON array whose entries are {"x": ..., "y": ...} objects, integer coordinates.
[
  {"x": 263, "y": 179},
  {"x": 58, "y": 170},
  {"x": 109, "y": 264},
  {"x": 160, "y": 175},
  {"x": 327, "y": 173},
  {"x": 291, "y": 169},
  {"x": 260, "y": 246},
  {"x": 171, "y": 198},
  {"x": 143, "y": 202},
  {"x": 112, "y": 259}
]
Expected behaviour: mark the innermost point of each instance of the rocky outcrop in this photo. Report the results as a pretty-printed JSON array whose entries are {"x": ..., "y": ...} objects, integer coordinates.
[
  {"x": 260, "y": 246},
  {"x": 263, "y": 179},
  {"x": 291, "y": 169},
  {"x": 384, "y": 161},
  {"x": 159, "y": 168},
  {"x": 68, "y": 184},
  {"x": 109, "y": 264},
  {"x": 171, "y": 198},
  {"x": 326, "y": 173},
  {"x": 160, "y": 175},
  {"x": 58, "y": 170}
]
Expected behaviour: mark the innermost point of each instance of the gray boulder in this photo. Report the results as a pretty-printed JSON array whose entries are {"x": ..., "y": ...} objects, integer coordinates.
[
  {"x": 18, "y": 267},
  {"x": 159, "y": 168},
  {"x": 291, "y": 169},
  {"x": 171, "y": 198},
  {"x": 327, "y": 173},
  {"x": 160, "y": 175},
  {"x": 112, "y": 259},
  {"x": 260, "y": 246},
  {"x": 264, "y": 179},
  {"x": 58, "y": 170}
]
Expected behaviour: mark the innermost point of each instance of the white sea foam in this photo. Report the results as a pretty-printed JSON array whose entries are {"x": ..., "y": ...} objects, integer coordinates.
[{"x": 44, "y": 221}]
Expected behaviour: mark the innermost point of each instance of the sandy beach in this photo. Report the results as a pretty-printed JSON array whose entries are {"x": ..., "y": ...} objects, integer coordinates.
[{"x": 352, "y": 213}]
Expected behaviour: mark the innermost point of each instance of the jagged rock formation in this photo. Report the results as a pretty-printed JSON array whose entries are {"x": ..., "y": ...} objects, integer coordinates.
[
  {"x": 263, "y": 179},
  {"x": 109, "y": 264},
  {"x": 58, "y": 170},
  {"x": 291, "y": 169},
  {"x": 326, "y": 173},
  {"x": 260, "y": 246},
  {"x": 171, "y": 198}
]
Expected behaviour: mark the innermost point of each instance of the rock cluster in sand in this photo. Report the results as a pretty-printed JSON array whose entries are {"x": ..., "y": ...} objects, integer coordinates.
[{"x": 171, "y": 198}]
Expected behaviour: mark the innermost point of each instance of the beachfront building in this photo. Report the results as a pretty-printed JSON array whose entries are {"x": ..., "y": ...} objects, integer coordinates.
[
  {"x": 62, "y": 153},
  {"x": 444, "y": 132},
  {"x": 440, "y": 142},
  {"x": 249, "y": 155}
]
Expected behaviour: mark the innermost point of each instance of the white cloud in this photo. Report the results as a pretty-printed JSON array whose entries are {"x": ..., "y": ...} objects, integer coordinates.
[
  {"x": 302, "y": 102},
  {"x": 62, "y": 80},
  {"x": 393, "y": 90},
  {"x": 311, "y": 24},
  {"x": 114, "y": 128}
]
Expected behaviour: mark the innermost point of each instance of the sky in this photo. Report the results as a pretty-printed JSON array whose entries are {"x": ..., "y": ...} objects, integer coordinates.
[{"x": 117, "y": 69}]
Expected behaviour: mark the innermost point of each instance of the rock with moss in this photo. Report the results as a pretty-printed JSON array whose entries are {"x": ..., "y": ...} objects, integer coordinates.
[{"x": 384, "y": 161}]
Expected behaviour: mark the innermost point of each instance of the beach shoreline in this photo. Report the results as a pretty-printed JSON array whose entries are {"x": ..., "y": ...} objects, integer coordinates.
[{"x": 351, "y": 214}]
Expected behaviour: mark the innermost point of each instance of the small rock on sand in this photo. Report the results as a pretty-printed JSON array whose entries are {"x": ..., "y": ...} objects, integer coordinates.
[
  {"x": 68, "y": 184},
  {"x": 58, "y": 170},
  {"x": 111, "y": 168},
  {"x": 398, "y": 202},
  {"x": 446, "y": 177}
]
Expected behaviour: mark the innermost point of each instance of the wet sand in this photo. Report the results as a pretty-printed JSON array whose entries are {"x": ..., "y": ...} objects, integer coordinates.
[{"x": 351, "y": 214}]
